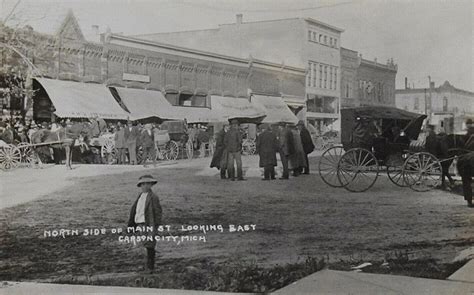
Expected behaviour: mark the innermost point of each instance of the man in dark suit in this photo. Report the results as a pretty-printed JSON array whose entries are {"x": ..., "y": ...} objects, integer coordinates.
[
  {"x": 233, "y": 145},
  {"x": 146, "y": 212},
  {"x": 267, "y": 146},
  {"x": 285, "y": 140},
  {"x": 219, "y": 159},
  {"x": 307, "y": 142},
  {"x": 147, "y": 141},
  {"x": 132, "y": 135}
]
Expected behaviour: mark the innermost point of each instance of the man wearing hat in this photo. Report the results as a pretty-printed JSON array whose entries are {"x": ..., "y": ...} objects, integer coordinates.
[
  {"x": 146, "y": 211},
  {"x": 147, "y": 141},
  {"x": 307, "y": 141},
  {"x": 132, "y": 135},
  {"x": 233, "y": 145},
  {"x": 219, "y": 158},
  {"x": 267, "y": 146},
  {"x": 285, "y": 140}
]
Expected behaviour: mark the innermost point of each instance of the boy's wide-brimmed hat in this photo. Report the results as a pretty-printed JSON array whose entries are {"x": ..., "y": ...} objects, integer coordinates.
[{"x": 146, "y": 179}]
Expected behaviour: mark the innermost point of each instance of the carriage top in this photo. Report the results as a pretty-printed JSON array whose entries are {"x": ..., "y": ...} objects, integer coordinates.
[{"x": 383, "y": 120}]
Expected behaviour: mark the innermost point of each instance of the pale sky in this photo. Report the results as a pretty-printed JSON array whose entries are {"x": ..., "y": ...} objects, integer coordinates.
[{"x": 425, "y": 38}]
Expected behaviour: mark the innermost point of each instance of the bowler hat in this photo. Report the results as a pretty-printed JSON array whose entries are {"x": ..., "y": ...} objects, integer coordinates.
[
  {"x": 146, "y": 179},
  {"x": 300, "y": 122}
]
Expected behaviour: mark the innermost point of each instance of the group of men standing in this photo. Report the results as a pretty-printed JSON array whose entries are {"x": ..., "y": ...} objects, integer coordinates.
[
  {"x": 292, "y": 142},
  {"x": 130, "y": 137}
]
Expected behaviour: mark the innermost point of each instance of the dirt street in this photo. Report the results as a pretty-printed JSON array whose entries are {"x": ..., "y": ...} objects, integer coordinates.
[{"x": 293, "y": 219}]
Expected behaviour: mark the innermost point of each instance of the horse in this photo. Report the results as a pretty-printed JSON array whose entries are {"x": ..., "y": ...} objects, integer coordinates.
[{"x": 63, "y": 138}]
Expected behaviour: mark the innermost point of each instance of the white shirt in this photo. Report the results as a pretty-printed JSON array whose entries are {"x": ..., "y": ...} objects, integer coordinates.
[{"x": 140, "y": 210}]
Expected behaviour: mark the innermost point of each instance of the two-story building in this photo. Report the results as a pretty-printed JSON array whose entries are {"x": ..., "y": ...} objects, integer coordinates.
[
  {"x": 365, "y": 82},
  {"x": 295, "y": 42},
  {"x": 446, "y": 106}
]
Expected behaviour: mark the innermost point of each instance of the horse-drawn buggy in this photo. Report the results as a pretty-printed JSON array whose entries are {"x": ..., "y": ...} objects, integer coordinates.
[{"x": 376, "y": 139}]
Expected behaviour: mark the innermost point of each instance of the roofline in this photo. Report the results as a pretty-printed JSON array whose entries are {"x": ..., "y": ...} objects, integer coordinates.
[
  {"x": 378, "y": 65},
  {"x": 347, "y": 49},
  {"x": 262, "y": 21},
  {"x": 312, "y": 20},
  {"x": 205, "y": 53},
  {"x": 416, "y": 90},
  {"x": 175, "y": 32}
]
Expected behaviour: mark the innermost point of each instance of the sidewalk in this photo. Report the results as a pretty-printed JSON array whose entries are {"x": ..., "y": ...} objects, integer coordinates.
[
  {"x": 24, "y": 288},
  {"x": 341, "y": 282}
]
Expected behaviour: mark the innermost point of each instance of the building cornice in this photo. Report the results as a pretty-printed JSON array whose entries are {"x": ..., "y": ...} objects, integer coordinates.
[{"x": 204, "y": 54}]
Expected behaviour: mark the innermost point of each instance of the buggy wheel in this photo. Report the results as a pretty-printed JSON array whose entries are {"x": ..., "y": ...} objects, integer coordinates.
[
  {"x": 328, "y": 165},
  {"x": 395, "y": 174},
  {"x": 108, "y": 152},
  {"x": 357, "y": 170},
  {"x": 140, "y": 155},
  {"x": 189, "y": 149},
  {"x": 422, "y": 172},
  {"x": 249, "y": 147},
  {"x": 171, "y": 150},
  {"x": 10, "y": 157},
  {"x": 27, "y": 153}
]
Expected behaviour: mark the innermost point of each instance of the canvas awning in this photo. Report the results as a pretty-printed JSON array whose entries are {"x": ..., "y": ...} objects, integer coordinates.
[
  {"x": 275, "y": 109},
  {"x": 82, "y": 100},
  {"x": 144, "y": 104},
  {"x": 228, "y": 108}
]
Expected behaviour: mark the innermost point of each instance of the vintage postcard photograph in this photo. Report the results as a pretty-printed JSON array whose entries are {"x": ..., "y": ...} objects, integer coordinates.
[{"x": 236, "y": 147}]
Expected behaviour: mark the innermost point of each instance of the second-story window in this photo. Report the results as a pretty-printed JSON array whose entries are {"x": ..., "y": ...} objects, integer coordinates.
[
  {"x": 445, "y": 104},
  {"x": 310, "y": 35}
]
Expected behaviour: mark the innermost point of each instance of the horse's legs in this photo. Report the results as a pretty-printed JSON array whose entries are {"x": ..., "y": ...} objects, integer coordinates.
[{"x": 67, "y": 149}]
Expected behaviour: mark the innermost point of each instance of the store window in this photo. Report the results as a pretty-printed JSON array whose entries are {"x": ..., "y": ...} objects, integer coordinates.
[
  {"x": 172, "y": 98},
  {"x": 445, "y": 104},
  {"x": 199, "y": 101},
  {"x": 185, "y": 99}
]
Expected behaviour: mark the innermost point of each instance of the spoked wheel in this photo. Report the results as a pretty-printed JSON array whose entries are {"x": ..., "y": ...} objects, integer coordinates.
[
  {"x": 10, "y": 157},
  {"x": 172, "y": 150},
  {"x": 108, "y": 152},
  {"x": 27, "y": 153},
  {"x": 422, "y": 172},
  {"x": 140, "y": 153},
  {"x": 357, "y": 170},
  {"x": 328, "y": 165},
  {"x": 394, "y": 165},
  {"x": 189, "y": 149},
  {"x": 249, "y": 147},
  {"x": 395, "y": 174}
]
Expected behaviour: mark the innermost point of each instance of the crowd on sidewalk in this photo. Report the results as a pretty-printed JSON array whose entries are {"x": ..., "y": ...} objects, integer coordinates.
[{"x": 292, "y": 142}]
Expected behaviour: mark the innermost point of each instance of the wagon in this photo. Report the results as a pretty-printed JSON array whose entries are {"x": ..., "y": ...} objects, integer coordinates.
[
  {"x": 179, "y": 146},
  {"x": 10, "y": 156},
  {"x": 375, "y": 139}
]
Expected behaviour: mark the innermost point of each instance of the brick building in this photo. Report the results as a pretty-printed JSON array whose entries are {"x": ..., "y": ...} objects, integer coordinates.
[
  {"x": 185, "y": 77},
  {"x": 365, "y": 82},
  {"x": 303, "y": 43},
  {"x": 447, "y": 107}
]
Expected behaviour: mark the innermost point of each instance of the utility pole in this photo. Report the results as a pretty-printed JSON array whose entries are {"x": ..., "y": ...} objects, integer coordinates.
[{"x": 429, "y": 100}]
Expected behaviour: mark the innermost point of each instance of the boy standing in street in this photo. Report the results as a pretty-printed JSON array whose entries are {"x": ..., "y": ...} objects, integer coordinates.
[{"x": 146, "y": 211}]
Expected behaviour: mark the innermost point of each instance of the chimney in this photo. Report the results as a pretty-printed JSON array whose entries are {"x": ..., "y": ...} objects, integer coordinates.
[
  {"x": 239, "y": 18},
  {"x": 406, "y": 83}
]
